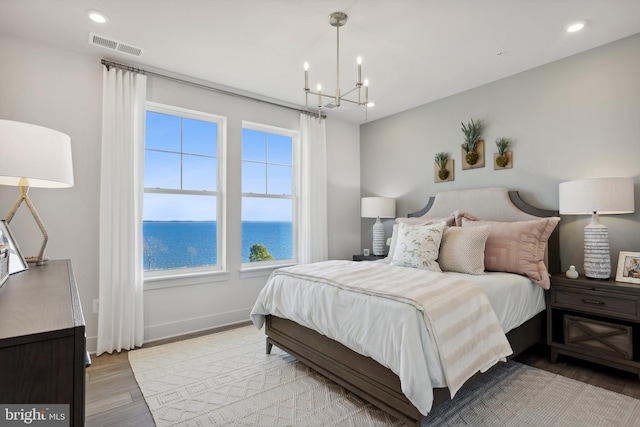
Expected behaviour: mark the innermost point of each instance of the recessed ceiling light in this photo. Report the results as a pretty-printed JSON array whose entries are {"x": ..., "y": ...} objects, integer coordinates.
[
  {"x": 576, "y": 26},
  {"x": 98, "y": 17},
  {"x": 371, "y": 104}
]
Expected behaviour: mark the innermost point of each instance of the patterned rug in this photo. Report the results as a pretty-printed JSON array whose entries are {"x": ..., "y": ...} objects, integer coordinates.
[{"x": 226, "y": 379}]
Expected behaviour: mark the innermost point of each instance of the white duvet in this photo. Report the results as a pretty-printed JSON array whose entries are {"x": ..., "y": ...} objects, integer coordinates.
[{"x": 378, "y": 327}]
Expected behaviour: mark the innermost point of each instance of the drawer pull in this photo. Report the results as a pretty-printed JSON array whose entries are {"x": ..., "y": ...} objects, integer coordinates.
[{"x": 592, "y": 301}]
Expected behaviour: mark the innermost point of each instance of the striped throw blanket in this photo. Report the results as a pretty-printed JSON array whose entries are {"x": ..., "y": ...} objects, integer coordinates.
[{"x": 457, "y": 313}]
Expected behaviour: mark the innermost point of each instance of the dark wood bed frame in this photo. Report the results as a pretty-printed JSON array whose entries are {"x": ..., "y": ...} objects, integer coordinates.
[{"x": 370, "y": 380}]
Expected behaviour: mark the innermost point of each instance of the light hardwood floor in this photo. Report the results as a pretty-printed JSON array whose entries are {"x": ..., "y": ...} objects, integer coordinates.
[{"x": 114, "y": 399}]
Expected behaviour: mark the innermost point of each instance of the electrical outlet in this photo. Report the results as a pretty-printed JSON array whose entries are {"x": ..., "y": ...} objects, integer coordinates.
[{"x": 96, "y": 306}]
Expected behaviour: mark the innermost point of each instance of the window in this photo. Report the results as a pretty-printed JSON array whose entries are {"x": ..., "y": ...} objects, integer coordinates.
[
  {"x": 269, "y": 200},
  {"x": 182, "y": 189}
]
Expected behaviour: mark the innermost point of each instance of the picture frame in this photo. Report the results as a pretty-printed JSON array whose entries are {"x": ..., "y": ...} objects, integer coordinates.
[
  {"x": 628, "y": 267},
  {"x": 17, "y": 263}
]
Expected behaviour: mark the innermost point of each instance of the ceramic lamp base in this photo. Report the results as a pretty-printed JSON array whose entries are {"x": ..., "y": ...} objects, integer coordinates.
[
  {"x": 378, "y": 238},
  {"x": 597, "y": 258}
]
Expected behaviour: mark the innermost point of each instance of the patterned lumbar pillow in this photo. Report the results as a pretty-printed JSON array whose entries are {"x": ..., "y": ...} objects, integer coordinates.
[
  {"x": 462, "y": 249},
  {"x": 418, "y": 246}
]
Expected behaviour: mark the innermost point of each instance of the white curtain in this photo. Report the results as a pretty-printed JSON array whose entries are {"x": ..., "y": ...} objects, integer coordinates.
[
  {"x": 120, "y": 317},
  {"x": 313, "y": 191}
]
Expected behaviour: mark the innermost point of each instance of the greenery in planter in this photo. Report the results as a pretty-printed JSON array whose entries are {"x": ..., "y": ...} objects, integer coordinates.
[
  {"x": 471, "y": 133},
  {"x": 441, "y": 161},
  {"x": 502, "y": 143}
]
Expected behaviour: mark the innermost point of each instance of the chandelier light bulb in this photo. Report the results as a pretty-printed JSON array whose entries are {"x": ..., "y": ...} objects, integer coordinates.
[
  {"x": 366, "y": 92},
  {"x": 359, "y": 60},
  {"x": 306, "y": 66}
]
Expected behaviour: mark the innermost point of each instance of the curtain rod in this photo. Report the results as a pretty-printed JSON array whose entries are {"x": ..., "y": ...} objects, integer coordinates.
[{"x": 109, "y": 64}]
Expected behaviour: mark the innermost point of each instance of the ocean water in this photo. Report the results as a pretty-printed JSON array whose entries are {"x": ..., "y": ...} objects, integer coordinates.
[{"x": 184, "y": 244}]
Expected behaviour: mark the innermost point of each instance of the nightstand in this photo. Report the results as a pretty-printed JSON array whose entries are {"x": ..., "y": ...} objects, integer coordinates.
[
  {"x": 368, "y": 257},
  {"x": 594, "y": 320}
]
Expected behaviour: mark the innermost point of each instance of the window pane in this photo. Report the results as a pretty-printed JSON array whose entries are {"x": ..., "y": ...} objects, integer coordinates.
[
  {"x": 199, "y": 137},
  {"x": 199, "y": 173},
  {"x": 254, "y": 145},
  {"x": 267, "y": 222},
  {"x": 279, "y": 149},
  {"x": 162, "y": 132},
  {"x": 254, "y": 178},
  {"x": 279, "y": 179},
  {"x": 161, "y": 170},
  {"x": 179, "y": 231}
]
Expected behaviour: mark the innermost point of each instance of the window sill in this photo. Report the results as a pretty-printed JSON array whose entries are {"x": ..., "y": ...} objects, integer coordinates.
[
  {"x": 184, "y": 279},
  {"x": 248, "y": 271}
]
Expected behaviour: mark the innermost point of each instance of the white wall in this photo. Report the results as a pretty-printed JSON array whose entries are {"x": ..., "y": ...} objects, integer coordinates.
[
  {"x": 571, "y": 119},
  {"x": 63, "y": 90}
]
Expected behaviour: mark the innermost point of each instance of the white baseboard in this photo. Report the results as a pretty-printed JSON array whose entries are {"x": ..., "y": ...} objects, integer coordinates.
[{"x": 184, "y": 326}]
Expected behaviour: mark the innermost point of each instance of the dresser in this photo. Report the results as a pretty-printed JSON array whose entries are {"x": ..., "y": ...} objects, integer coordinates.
[
  {"x": 42, "y": 339},
  {"x": 595, "y": 320}
]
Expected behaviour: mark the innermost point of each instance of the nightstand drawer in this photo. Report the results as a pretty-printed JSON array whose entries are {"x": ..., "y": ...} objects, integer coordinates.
[
  {"x": 598, "y": 338},
  {"x": 593, "y": 302}
]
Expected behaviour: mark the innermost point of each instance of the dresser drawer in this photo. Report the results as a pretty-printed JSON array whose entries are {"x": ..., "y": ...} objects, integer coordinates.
[
  {"x": 598, "y": 337},
  {"x": 594, "y": 302}
]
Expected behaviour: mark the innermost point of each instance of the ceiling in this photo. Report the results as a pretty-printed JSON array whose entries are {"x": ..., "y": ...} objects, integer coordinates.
[{"x": 413, "y": 51}]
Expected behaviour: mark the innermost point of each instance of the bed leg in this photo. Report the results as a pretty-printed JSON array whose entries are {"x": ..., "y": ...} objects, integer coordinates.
[{"x": 269, "y": 346}]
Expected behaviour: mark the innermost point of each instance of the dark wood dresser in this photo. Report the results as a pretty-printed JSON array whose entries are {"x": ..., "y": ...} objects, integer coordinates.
[{"x": 42, "y": 339}]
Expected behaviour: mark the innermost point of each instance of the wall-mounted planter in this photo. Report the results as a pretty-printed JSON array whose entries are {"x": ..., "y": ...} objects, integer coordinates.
[
  {"x": 480, "y": 161},
  {"x": 503, "y": 162},
  {"x": 438, "y": 175}
]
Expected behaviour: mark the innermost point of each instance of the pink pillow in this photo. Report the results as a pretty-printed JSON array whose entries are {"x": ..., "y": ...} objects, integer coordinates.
[
  {"x": 425, "y": 220},
  {"x": 518, "y": 247},
  {"x": 459, "y": 216}
]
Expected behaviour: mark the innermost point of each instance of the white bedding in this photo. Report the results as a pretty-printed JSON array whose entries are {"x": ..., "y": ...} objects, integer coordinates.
[
  {"x": 514, "y": 298},
  {"x": 382, "y": 326}
]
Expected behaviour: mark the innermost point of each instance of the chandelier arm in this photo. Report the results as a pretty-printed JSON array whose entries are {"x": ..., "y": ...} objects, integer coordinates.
[
  {"x": 352, "y": 101},
  {"x": 350, "y": 92}
]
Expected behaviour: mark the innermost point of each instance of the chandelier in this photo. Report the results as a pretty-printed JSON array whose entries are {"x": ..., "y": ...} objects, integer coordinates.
[{"x": 338, "y": 19}]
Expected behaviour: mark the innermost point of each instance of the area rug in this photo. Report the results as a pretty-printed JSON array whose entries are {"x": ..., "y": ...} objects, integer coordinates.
[{"x": 226, "y": 379}]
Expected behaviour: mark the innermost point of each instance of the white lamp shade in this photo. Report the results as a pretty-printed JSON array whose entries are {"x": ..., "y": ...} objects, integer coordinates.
[
  {"x": 39, "y": 154},
  {"x": 600, "y": 195},
  {"x": 374, "y": 207}
]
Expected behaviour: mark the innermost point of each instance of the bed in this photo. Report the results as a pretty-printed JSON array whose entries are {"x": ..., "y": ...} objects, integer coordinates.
[{"x": 349, "y": 364}]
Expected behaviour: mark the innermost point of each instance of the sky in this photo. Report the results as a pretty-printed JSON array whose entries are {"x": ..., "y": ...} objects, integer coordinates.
[{"x": 181, "y": 154}]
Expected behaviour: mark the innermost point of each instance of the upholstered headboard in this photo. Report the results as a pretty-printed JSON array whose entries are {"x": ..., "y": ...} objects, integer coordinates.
[{"x": 495, "y": 204}]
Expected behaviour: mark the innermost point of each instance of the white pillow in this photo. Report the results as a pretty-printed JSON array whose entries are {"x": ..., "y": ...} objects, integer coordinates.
[
  {"x": 463, "y": 251},
  {"x": 412, "y": 221},
  {"x": 417, "y": 246}
]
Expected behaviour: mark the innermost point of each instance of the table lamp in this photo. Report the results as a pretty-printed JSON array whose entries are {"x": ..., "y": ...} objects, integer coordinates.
[
  {"x": 597, "y": 196},
  {"x": 33, "y": 156},
  {"x": 378, "y": 207}
]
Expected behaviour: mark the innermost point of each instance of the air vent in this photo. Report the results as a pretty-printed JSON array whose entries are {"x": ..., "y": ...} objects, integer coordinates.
[{"x": 111, "y": 44}]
